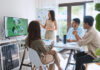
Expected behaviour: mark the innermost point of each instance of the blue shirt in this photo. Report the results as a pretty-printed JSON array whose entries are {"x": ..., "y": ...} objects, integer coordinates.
[{"x": 70, "y": 35}]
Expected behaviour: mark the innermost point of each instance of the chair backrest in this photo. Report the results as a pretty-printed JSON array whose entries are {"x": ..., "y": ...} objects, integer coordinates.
[{"x": 34, "y": 58}]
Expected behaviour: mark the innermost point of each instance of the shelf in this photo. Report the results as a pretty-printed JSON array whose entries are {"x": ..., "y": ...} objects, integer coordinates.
[{"x": 10, "y": 40}]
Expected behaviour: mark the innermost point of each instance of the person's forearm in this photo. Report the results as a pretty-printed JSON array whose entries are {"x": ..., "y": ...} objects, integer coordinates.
[
  {"x": 42, "y": 26},
  {"x": 77, "y": 37},
  {"x": 52, "y": 29},
  {"x": 56, "y": 28},
  {"x": 68, "y": 40},
  {"x": 72, "y": 40}
]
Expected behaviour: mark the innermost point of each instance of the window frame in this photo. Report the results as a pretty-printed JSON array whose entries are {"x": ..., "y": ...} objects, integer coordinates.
[{"x": 69, "y": 7}]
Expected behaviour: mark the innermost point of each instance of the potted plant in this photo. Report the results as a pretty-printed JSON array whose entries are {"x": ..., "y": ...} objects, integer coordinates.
[
  {"x": 97, "y": 53},
  {"x": 97, "y": 8}
]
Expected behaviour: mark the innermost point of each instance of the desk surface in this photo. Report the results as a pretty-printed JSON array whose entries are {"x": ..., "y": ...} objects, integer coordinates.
[
  {"x": 72, "y": 45},
  {"x": 10, "y": 40}
]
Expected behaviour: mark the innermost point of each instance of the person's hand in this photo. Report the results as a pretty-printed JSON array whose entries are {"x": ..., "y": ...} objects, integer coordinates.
[
  {"x": 49, "y": 28},
  {"x": 69, "y": 40},
  {"x": 75, "y": 32},
  {"x": 52, "y": 52},
  {"x": 46, "y": 53}
]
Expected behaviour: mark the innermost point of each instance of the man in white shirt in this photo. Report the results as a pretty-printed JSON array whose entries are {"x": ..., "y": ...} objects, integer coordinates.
[{"x": 90, "y": 39}]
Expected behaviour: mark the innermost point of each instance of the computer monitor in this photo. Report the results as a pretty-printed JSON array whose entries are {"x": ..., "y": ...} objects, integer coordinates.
[{"x": 15, "y": 26}]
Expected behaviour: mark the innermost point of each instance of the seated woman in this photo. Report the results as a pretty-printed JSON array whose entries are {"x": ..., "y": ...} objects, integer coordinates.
[{"x": 34, "y": 41}]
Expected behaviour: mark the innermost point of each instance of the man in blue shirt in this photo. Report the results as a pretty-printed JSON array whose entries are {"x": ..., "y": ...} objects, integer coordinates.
[
  {"x": 70, "y": 35},
  {"x": 75, "y": 27}
]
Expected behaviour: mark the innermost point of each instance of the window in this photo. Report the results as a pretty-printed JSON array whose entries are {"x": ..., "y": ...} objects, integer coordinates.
[
  {"x": 90, "y": 10},
  {"x": 78, "y": 12},
  {"x": 69, "y": 11},
  {"x": 62, "y": 21},
  {"x": 66, "y": 13}
]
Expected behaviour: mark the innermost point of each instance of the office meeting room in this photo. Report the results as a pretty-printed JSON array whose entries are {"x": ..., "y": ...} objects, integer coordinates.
[{"x": 49, "y": 34}]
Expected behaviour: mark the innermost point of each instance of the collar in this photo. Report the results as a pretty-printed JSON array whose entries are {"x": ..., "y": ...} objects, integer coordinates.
[
  {"x": 77, "y": 28},
  {"x": 89, "y": 29}
]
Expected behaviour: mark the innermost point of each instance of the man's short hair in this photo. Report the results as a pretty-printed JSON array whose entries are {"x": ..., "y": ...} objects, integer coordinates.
[
  {"x": 89, "y": 20},
  {"x": 77, "y": 20}
]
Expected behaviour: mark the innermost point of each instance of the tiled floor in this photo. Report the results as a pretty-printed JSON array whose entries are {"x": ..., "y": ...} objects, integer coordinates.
[
  {"x": 63, "y": 64},
  {"x": 93, "y": 67}
]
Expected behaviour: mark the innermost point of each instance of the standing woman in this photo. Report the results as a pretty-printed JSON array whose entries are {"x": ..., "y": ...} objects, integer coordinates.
[{"x": 50, "y": 26}]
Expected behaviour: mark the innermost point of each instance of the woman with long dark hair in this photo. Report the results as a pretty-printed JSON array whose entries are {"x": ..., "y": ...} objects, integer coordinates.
[
  {"x": 50, "y": 26},
  {"x": 34, "y": 41}
]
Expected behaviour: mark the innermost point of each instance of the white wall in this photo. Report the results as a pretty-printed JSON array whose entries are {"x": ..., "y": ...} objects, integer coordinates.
[
  {"x": 97, "y": 1},
  {"x": 46, "y": 3},
  {"x": 16, "y": 8}
]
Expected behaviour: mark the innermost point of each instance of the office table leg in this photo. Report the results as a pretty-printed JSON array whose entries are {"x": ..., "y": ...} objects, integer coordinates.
[{"x": 69, "y": 59}]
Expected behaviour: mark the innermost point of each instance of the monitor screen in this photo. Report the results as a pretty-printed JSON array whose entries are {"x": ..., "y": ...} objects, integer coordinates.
[{"x": 15, "y": 26}]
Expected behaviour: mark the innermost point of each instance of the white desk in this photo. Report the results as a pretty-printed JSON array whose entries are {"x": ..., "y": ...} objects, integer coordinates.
[
  {"x": 69, "y": 46},
  {"x": 72, "y": 45},
  {"x": 10, "y": 40}
]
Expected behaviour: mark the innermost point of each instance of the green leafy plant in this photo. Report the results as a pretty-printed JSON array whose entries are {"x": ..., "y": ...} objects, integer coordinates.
[
  {"x": 98, "y": 22},
  {"x": 97, "y": 52},
  {"x": 97, "y": 6}
]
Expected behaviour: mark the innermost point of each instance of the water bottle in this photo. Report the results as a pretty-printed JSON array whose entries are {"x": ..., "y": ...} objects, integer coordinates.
[
  {"x": 64, "y": 39},
  {"x": 57, "y": 38}
]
